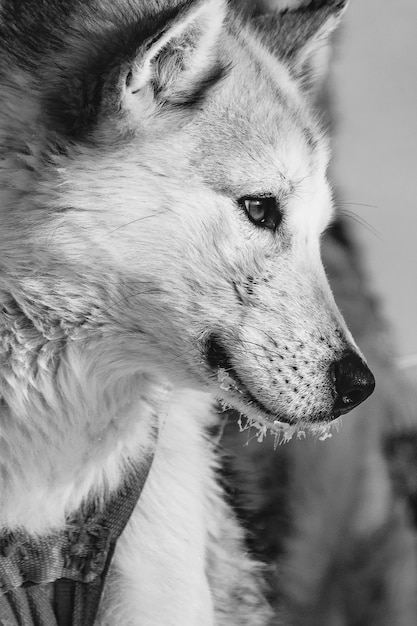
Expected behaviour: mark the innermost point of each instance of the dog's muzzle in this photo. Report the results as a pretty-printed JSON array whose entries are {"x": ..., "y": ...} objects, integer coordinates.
[{"x": 351, "y": 381}]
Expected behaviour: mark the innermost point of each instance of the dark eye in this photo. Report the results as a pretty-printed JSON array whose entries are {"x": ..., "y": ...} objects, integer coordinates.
[{"x": 263, "y": 211}]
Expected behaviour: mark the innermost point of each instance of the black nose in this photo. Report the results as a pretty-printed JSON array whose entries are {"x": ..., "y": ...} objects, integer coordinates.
[{"x": 353, "y": 381}]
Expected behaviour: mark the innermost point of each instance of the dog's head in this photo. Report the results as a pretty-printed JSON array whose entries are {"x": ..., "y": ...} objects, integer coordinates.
[{"x": 171, "y": 193}]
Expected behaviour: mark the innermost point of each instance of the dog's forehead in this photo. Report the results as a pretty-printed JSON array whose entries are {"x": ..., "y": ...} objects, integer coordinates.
[{"x": 259, "y": 121}]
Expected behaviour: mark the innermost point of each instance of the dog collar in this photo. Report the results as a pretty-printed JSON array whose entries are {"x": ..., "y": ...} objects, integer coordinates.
[{"x": 58, "y": 579}]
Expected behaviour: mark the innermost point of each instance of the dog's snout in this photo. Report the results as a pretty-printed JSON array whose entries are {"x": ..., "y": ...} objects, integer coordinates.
[{"x": 353, "y": 381}]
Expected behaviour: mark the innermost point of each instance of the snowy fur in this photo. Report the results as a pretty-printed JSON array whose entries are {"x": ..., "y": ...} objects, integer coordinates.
[{"x": 123, "y": 250}]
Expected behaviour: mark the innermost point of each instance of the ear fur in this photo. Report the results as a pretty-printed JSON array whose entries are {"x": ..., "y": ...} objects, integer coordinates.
[
  {"x": 179, "y": 62},
  {"x": 300, "y": 35}
]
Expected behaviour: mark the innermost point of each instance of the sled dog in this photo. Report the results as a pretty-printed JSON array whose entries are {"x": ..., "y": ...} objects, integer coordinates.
[{"x": 162, "y": 195}]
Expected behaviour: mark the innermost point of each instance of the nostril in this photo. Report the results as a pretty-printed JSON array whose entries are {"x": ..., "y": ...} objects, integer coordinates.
[
  {"x": 353, "y": 382},
  {"x": 355, "y": 397}
]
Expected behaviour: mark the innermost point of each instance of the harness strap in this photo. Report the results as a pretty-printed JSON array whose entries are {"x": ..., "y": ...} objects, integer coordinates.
[
  {"x": 27, "y": 607},
  {"x": 76, "y": 603},
  {"x": 76, "y": 561}
]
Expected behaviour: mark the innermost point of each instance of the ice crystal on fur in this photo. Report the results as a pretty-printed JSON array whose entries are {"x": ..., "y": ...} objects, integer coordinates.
[
  {"x": 227, "y": 383},
  {"x": 282, "y": 432}
]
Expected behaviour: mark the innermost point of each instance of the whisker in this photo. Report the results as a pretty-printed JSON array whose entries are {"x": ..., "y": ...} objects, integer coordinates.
[
  {"x": 271, "y": 339},
  {"x": 156, "y": 290},
  {"x": 182, "y": 354},
  {"x": 138, "y": 219},
  {"x": 358, "y": 219},
  {"x": 369, "y": 206}
]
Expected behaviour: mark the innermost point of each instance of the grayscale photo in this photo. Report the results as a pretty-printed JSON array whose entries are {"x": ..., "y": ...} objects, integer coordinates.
[{"x": 208, "y": 355}]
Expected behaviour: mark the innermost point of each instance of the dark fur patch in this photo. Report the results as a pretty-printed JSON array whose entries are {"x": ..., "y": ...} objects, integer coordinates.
[
  {"x": 196, "y": 97},
  {"x": 91, "y": 81},
  {"x": 75, "y": 53}
]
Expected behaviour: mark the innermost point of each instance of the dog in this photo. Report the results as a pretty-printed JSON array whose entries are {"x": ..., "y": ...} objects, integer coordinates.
[{"x": 163, "y": 193}]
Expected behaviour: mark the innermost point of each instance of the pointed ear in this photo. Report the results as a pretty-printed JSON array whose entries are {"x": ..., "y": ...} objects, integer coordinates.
[
  {"x": 300, "y": 35},
  {"x": 179, "y": 63}
]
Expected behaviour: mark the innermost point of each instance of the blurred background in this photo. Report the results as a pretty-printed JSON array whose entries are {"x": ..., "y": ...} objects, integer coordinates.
[{"x": 374, "y": 104}]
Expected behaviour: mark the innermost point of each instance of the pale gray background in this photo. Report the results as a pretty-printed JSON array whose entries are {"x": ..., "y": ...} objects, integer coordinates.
[{"x": 374, "y": 74}]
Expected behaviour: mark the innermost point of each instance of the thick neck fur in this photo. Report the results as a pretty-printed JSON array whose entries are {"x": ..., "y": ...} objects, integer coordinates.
[{"x": 66, "y": 430}]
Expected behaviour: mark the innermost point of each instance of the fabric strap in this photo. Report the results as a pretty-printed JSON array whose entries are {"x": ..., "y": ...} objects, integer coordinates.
[{"x": 58, "y": 580}]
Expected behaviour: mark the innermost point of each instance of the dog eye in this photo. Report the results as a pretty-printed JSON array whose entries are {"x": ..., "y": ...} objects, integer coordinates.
[{"x": 263, "y": 211}]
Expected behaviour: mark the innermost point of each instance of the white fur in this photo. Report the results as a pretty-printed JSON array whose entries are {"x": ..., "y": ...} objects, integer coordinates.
[{"x": 178, "y": 489}]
